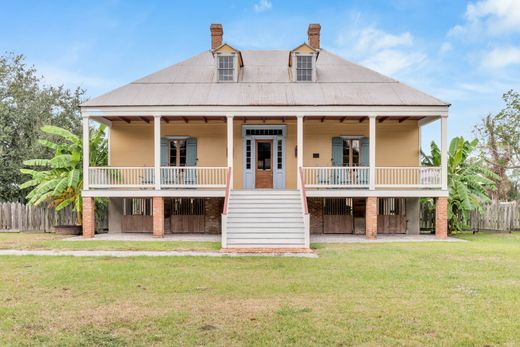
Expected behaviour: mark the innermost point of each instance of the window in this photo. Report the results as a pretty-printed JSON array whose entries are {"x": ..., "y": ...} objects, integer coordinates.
[
  {"x": 226, "y": 67},
  {"x": 304, "y": 67},
  {"x": 266, "y": 132},
  {"x": 351, "y": 153},
  {"x": 279, "y": 159},
  {"x": 178, "y": 153},
  {"x": 248, "y": 154},
  {"x": 137, "y": 206}
]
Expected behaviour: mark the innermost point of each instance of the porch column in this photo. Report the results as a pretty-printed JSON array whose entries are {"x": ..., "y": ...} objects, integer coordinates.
[
  {"x": 158, "y": 216},
  {"x": 441, "y": 218},
  {"x": 444, "y": 153},
  {"x": 372, "y": 152},
  {"x": 88, "y": 218},
  {"x": 371, "y": 218},
  {"x": 229, "y": 123},
  {"x": 157, "y": 150},
  {"x": 299, "y": 147},
  {"x": 86, "y": 151}
]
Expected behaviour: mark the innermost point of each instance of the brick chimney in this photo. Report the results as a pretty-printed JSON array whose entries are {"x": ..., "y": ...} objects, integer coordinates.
[
  {"x": 314, "y": 35},
  {"x": 216, "y": 35}
]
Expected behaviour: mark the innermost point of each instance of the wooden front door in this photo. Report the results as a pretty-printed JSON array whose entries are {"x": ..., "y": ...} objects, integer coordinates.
[{"x": 264, "y": 164}]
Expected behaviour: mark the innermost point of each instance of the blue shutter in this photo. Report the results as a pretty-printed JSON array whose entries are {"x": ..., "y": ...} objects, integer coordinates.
[
  {"x": 191, "y": 151},
  {"x": 164, "y": 151},
  {"x": 337, "y": 151},
  {"x": 365, "y": 151}
]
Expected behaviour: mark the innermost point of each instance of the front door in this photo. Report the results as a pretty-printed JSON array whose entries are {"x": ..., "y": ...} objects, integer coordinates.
[{"x": 264, "y": 164}]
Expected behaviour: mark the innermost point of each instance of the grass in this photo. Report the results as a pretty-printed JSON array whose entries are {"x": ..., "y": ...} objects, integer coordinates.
[
  {"x": 413, "y": 294},
  {"x": 27, "y": 240}
]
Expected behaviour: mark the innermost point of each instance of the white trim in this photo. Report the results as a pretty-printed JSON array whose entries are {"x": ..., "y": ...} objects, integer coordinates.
[
  {"x": 102, "y": 120},
  {"x": 426, "y": 121},
  {"x": 126, "y": 193},
  {"x": 444, "y": 153},
  {"x": 157, "y": 150},
  {"x": 299, "y": 147},
  {"x": 230, "y": 151},
  {"x": 86, "y": 151},
  {"x": 269, "y": 111},
  {"x": 372, "y": 152},
  {"x": 383, "y": 193}
]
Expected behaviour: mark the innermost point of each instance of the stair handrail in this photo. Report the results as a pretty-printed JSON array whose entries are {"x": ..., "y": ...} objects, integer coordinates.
[
  {"x": 228, "y": 186},
  {"x": 304, "y": 194}
]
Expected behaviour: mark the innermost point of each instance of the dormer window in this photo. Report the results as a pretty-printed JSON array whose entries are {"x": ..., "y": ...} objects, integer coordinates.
[
  {"x": 226, "y": 67},
  {"x": 304, "y": 67},
  {"x": 302, "y": 62}
]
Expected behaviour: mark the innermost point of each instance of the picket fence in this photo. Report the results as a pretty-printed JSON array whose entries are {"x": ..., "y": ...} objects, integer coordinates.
[{"x": 15, "y": 216}]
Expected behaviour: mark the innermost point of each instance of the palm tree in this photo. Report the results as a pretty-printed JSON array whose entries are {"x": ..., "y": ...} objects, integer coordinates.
[
  {"x": 468, "y": 180},
  {"x": 61, "y": 180}
]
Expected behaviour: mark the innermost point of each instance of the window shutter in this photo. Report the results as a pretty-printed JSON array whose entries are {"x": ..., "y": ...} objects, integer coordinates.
[
  {"x": 191, "y": 151},
  {"x": 337, "y": 151},
  {"x": 365, "y": 151},
  {"x": 164, "y": 151}
]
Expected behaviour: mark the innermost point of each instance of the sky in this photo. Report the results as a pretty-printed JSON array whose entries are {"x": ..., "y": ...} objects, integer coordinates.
[{"x": 466, "y": 53}]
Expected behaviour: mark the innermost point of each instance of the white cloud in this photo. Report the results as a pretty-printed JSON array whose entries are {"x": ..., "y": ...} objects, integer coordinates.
[
  {"x": 372, "y": 38},
  {"x": 385, "y": 52},
  {"x": 445, "y": 47},
  {"x": 501, "y": 57},
  {"x": 263, "y": 5},
  {"x": 491, "y": 17}
]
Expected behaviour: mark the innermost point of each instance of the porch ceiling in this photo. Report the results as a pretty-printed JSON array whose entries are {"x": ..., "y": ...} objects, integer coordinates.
[{"x": 208, "y": 119}]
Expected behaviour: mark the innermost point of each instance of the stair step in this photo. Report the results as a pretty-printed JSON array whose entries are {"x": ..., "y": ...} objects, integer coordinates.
[
  {"x": 269, "y": 219},
  {"x": 262, "y": 242}
]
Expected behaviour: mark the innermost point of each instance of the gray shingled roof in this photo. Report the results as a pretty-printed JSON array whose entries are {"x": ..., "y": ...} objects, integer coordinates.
[{"x": 264, "y": 80}]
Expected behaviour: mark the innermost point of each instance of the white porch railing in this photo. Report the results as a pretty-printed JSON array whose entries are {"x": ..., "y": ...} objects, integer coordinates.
[
  {"x": 408, "y": 177},
  {"x": 193, "y": 177},
  {"x": 336, "y": 177},
  {"x": 121, "y": 177},
  {"x": 358, "y": 177}
]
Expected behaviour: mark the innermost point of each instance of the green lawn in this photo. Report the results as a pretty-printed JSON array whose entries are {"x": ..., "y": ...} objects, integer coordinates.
[
  {"x": 51, "y": 241},
  {"x": 413, "y": 294}
]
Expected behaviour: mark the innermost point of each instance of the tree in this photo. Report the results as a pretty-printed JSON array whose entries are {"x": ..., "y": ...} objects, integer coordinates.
[
  {"x": 61, "y": 181},
  {"x": 26, "y": 104},
  {"x": 468, "y": 180},
  {"x": 500, "y": 145}
]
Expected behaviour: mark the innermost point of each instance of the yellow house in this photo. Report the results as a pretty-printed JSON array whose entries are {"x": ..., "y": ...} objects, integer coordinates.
[{"x": 265, "y": 148}]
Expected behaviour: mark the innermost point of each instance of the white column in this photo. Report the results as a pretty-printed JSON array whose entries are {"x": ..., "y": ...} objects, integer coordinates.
[
  {"x": 372, "y": 152},
  {"x": 157, "y": 150},
  {"x": 299, "y": 147},
  {"x": 86, "y": 151},
  {"x": 444, "y": 153},
  {"x": 229, "y": 124}
]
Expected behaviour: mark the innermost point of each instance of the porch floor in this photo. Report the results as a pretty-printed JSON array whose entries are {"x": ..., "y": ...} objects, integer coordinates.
[{"x": 338, "y": 238}]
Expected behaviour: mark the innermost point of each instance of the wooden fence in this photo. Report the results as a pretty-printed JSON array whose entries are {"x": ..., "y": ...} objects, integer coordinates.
[
  {"x": 502, "y": 216},
  {"x": 15, "y": 216}
]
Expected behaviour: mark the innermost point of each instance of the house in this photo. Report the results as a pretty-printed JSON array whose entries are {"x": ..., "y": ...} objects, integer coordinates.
[{"x": 265, "y": 147}]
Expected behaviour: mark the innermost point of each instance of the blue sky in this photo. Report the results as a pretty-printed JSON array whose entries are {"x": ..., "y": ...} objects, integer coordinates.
[{"x": 464, "y": 52}]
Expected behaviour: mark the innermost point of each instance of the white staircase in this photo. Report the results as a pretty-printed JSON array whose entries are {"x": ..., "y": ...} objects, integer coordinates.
[{"x": 265, "y": 219}]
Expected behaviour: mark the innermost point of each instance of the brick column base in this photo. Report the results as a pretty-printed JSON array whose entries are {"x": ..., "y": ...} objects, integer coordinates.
[
  {"x": 371, "y": 218},
  {"x": 158, "y": 216},
  {"x": 88, "y": 218},
  {"x": 441, "y": 218}
]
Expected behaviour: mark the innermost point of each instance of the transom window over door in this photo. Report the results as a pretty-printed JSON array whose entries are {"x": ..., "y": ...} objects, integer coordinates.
[
  {"x": 351, "y": 152},
  {"x": 178, "y": 153}
]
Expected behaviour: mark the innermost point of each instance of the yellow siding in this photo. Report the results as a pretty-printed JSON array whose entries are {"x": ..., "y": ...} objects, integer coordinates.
[{"x": 397, "y": 143}]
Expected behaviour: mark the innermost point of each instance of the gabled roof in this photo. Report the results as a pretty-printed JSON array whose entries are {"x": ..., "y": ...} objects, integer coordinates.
[
  {"x": 264, "y": 80},
  {"x": 304, "y": 48},
  {"x": 227, "y": 48}
]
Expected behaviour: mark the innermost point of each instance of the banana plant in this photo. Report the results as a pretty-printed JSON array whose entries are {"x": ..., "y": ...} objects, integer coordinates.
[
  {"x": 469, "y": 181},
  {"x": 59, "y": 181}
]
